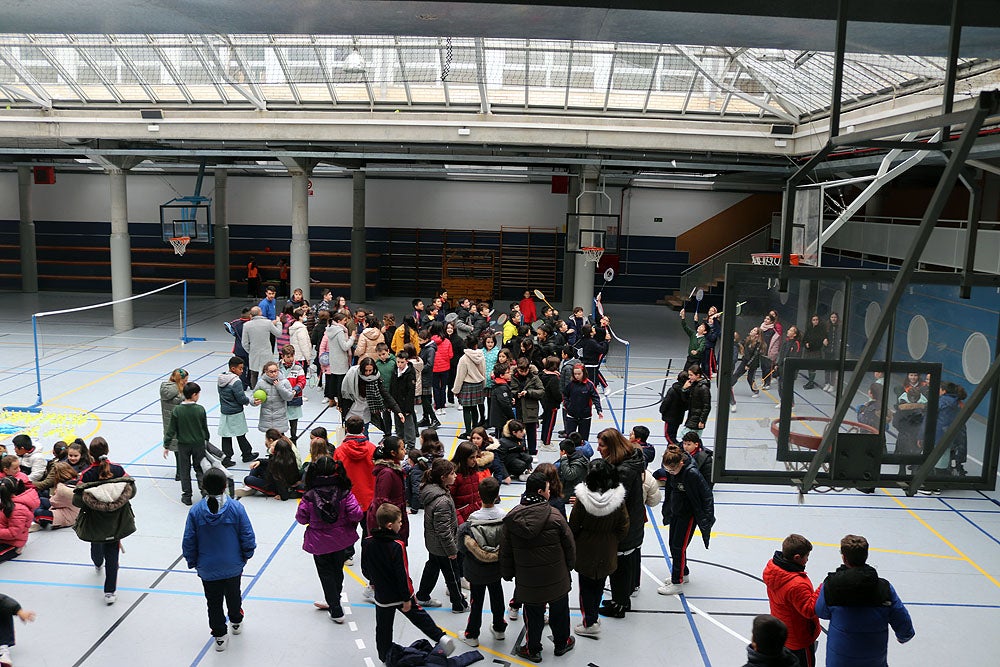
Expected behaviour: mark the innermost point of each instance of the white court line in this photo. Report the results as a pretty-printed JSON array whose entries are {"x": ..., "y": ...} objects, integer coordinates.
[
  {"x": 634, "y": 385},
  {"x": 369, "y": 662},
  {"x": 353, "y": 626},
  {"x": 708, "y": 617},
  {"x": 360, "y": 644}
]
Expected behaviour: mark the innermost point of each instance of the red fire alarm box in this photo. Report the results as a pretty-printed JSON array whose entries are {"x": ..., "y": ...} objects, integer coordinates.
[
  {"x": 560, "y": 185},
  {"x": 45, "y": 175}
]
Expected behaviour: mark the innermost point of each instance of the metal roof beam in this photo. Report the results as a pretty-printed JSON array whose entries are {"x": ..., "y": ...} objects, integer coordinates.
[
  {"x": 130, "y": 64},
  {"x": 101, "y": 75},
  {"x": 257, "y": 98},
  {"x": 38, "y": 95},
  {"x": 402, "y": 70},
  {"x": 208, "y": 68},
  {"x": 63, "y": 72},
  {"x": 790, "y": 108},
  {"x": 171, "y": 70},
  {"x": 322, "y": 66},
  {"x": 283, "y": 64},
  {"x": 729, "y": 89},
  {"x": 444, "y": 65},
  {"x": 484, "y": 97}
]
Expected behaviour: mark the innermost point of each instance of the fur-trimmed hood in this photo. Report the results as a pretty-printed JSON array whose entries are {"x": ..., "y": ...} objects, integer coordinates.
[
  {"x": 107, "y": 495},
  {"x": 600, "y": 504}
]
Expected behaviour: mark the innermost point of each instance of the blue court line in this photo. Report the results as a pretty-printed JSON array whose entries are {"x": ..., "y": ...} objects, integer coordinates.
[
  {"x": 975, "y": 525},
  {"x": 56, "y": 373},
  {"x": 90, "y": 566},
  {"x": 158, "y": 445},
  {"x": 246, "y": 592},
  {"x": 687, "y": 610}
]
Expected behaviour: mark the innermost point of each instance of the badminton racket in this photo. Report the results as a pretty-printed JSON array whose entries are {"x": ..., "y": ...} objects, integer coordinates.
[{"x": 541, "y": 296}]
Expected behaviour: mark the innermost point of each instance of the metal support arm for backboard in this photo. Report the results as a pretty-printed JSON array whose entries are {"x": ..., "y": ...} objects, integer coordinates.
[{"x": 986, "y": 105}]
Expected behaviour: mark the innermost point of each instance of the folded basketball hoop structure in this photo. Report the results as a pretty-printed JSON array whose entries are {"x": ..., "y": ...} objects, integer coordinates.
[{"x": 772, "y": 259}]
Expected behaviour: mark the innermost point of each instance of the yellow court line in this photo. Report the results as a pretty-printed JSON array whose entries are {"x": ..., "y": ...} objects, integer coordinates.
[
  {"x": 505, "y": 656},
  {"x": 112, "y": 374},
  {"x": 899, "y": 552},
  {"x": 942, "y": 538}
]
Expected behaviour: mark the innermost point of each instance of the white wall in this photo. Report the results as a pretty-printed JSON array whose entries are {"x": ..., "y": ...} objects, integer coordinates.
[{"x": 389, "y": 203}]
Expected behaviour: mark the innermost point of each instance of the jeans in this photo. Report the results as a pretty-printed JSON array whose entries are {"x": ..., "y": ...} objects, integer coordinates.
[
  {"x": 330, "y": 568},
  {"x": 591, "y": 592},
  {"x": 534, "y": 621},
  {"x": 497, "y": 605},
  {"x": 106, "y": 554},
  {"x": 188, "y": 454},
  {"x": 384, "y": 617},
  {"x": 217, "y": 591},
  {"x": 447, "y": 566}
]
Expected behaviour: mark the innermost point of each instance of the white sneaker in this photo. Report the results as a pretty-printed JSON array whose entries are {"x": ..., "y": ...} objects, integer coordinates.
[
  {"x": 777, "y": 406},
  {"x": 670, "y": 589},
  {"x": 5, "y": 655},
  {"x": 591, "y": 631},
  {"x": 755, "y": 394},
  {"x": 369, "y": 593},
  {"x": 349, "y": 562},
  {"x": 236, "y": 628},
  {"x": 828, "y": 388},
  {"x": 110, "y": 598},
  {"x": 732, "y": 408},
  {"x": 499, "y": 635},
  {"x": 471, "y": 641},
  {"x": 429, "y": 602},
  {"x": 221, "y": 643},
  {"x": 465, "y": 584},
  {"x": 513, "y": 613}
]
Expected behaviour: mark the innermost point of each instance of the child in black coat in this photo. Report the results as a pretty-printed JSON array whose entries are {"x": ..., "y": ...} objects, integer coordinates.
[
  {"x": 501, "y": 399},
  {"x": 383, "y": 561}
]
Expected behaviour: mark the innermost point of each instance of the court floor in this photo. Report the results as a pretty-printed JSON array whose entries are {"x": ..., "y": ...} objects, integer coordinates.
[{"x": 942, "y": 553}]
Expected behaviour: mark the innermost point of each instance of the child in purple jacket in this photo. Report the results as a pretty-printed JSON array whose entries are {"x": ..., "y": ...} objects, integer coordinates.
[{"x": 331, "y": 514}]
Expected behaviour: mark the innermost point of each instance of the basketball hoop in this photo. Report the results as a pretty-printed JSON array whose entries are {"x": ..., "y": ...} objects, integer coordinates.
[
  {"x": 592, "y": 254},
  {"x": 180, "y": 244},
  {"x": 772, "y": 259}
]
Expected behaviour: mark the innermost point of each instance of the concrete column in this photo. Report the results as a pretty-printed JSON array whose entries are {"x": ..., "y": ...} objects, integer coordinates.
[
  {"x": 220, "y": 235},
  {"x": 359, "y": 249},
  {"x": 121, "y": 251},
  {"x": 583, "y": 280},
  {"x": 299, "y": 254},
  {"x": 572, "y": 236},
  {"x": 26, "y": 229}
]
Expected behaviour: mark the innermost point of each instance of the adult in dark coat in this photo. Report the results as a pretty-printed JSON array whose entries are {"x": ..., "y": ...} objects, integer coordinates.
[
  {"x": 687, "y": 502},
  {"x": 537, "y": 551},
  {"x": 699, "y": 400}
]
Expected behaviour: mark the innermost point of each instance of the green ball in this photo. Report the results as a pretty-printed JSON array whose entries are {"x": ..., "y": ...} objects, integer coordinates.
[{"x": 260, "y": 395}]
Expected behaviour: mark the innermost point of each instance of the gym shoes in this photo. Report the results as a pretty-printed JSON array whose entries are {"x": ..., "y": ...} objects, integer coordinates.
[
  {"x": 670, "y": 589},
  {"x": 369, "y": 593},
  {"x": 593, "y": 631},
  {"x": 460, "y": 608},
  {"x": 523, "y": 652},
  {"x": 471, "y": 641},
  {"x": 349, "y": 562},
  {"x": 732, "y": 408},
  {"x": 339, "y": 620},
  {"x": 322, "y": 606},
  {"x": 236, "y": 628},
  {"x": 252, "y": 456},
  {"x": 228, "y": 462},
  {"x": 500, "y": 634},
  {"x": 429, "y": 602},
  {"x": 445, "y": 645},
  {"x": 5, "y": 659},
  {"x": 242, "y": 492},
  {"x": 513, "y": 613},
  {"x": 465, "y": 584},
  {"x": 110, "y": 598},
  {"x": 567, "y": 647},
  {"x": 221, "y": 643}
]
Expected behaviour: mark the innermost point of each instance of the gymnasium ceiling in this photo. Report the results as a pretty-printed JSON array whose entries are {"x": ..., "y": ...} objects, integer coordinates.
[{"x": 683, "y": 89}]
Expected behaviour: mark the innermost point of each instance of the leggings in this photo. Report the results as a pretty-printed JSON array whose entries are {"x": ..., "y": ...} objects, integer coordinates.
[
  {"x": 470, "y": 413},
  {"x": 440, "y": 389}
]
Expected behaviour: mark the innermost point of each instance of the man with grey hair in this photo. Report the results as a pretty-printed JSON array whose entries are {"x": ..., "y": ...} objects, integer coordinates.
[{"x": 256, "y": 341}]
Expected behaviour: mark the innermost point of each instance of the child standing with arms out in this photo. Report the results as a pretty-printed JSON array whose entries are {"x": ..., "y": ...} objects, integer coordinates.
[
  {"x": 233, "y": 423},
  {"x": 218, "y": 541},
  {"x": 331, "y": 514},
  {"x": 479, "y": 540},
  {"x": 384, "y": 564},
  {"x": 189, "y": 424},
  {"x": 9, "y": 608}
]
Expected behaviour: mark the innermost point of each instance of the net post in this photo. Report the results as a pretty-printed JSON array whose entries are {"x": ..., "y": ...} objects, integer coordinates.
[
  {"x": 628, "y": 348},
  {"x": 36, "y": 406},
  {"x": 184, "y": 319}
]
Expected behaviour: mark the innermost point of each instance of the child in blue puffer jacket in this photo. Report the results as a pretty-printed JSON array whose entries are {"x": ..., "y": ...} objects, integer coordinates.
[{"x": 218, "y": 542}]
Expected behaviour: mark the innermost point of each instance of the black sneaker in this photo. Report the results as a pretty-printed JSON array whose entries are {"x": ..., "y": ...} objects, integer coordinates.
[
  {"x": 186, "y": 500},
  {"x": 567, "y": 647},
  {"x": 523, "y": 652},
  {"x": 463, "y": 436},
  {"x": 252, "y": 456},
  {"x": 228, "y": 462}
]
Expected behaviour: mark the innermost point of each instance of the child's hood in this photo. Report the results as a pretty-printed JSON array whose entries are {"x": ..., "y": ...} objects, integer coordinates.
[
  {"x": 357, "y": 448},
  {"x": 227, "y": 378},
  {"x": 600, "y": 504}
]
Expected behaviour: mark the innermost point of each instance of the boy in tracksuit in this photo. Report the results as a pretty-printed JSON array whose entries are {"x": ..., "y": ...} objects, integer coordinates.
[{"x": 384, "y": 564}]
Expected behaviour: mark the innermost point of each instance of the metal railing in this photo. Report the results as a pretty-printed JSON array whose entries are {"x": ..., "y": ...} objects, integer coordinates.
[{"x": 708, "y": 270}]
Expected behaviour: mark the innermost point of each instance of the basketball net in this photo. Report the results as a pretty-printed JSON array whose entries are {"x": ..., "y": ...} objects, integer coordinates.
[
  {"x": 592, "y": 254},
  {"x": 180, "y": 244}
]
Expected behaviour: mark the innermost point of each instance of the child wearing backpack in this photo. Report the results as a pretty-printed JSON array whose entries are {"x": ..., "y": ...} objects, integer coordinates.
[
  {"x": 331, "y": 514},
  {"x": 479, "y": 540}
]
